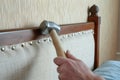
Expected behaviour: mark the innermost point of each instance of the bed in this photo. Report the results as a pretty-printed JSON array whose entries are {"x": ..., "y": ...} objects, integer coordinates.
[{"x": 26, "y": 54}]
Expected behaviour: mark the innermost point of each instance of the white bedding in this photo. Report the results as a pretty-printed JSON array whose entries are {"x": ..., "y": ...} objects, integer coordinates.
[{"x": 110, "y": 70}]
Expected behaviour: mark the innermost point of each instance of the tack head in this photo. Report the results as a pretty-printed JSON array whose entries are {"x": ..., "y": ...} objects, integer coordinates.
[
  {"x": 23, "y": 44},
  {"x": 2, "y": 49},
  {"x": 13, "y": 48},
  {"x": 31, "y": 43}
]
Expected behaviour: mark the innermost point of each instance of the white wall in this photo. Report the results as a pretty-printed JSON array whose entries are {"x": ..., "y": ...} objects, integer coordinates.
[{"x": 119, "y": 32}]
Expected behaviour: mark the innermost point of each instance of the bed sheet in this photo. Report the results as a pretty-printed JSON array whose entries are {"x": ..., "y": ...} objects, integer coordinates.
[{"x": 110, "y": 70}]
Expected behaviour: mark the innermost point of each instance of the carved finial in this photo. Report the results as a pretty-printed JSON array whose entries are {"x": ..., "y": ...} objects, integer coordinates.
[{"x": 93, "y": 10}]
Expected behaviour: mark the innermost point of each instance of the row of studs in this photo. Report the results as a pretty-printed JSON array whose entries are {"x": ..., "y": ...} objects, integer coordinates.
[
  {"x": 13, "y": 47},
  {"x": 77, "y": 34}
]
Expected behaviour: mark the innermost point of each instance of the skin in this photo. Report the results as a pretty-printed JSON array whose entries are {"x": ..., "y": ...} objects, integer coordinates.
[{"x": 71, "y": 68}]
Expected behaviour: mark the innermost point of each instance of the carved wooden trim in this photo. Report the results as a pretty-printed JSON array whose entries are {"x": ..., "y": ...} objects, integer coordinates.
[
  {"x": 93, "y": 17},
  {"x": 15, "y": 36}
]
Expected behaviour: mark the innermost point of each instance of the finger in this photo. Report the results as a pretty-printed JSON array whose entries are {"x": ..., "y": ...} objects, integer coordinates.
[
  {"x": 59, "y": 77},
  {"x": 62, "y": 77},
  {"x": 69, "y": 55},
  {"x": 60, "y": 60},
  {"x": 59, "y": 69}
]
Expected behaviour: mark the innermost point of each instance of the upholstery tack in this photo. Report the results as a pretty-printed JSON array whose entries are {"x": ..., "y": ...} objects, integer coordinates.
[{"x": 2, "y": 49}]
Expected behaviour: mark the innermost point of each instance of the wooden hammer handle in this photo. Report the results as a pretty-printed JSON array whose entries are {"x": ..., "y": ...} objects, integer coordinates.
[{"x": 57, "y": 44}]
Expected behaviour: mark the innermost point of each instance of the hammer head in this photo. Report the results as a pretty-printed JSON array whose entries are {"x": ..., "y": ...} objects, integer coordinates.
[{"x": 47, "y": 26}]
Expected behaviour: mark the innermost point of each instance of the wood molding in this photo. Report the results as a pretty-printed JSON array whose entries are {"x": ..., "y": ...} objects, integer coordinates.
[
  {"x": 93, "y": 17},
  {"x": 14, "y": 36}
]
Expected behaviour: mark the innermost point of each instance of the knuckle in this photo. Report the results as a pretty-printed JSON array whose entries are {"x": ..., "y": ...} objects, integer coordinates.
[
  {"x": 55, "y": 60},
  {"x": 59, "y": 70},
  {"x": 68, "y": 62},
  {"x": 80, "y": 61},
  {"x": 62, "y": 77}
]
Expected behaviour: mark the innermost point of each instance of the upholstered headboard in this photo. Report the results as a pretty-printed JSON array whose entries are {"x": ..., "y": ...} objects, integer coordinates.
[{"x": 26, "y": 54}]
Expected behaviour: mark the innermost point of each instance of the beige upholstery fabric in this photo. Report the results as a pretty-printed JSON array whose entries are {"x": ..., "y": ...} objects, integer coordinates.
[{"x": 34, "y": 60}]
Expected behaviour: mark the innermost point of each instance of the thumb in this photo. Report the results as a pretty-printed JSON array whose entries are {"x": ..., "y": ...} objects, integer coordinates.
[
  {"x": 60, "y": 60},
  {"x": 70, "y": 56}
]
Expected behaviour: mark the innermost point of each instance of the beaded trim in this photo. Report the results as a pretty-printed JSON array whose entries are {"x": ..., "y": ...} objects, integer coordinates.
[{"x": 46, "y": 40}]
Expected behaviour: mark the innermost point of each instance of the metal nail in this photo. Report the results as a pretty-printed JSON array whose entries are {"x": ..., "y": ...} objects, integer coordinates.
[
  {"x": 23, "y": 44},
  {"x": 2, "y": 49},
  {"x": 38, "y": 41},
  {"x": 31, "y": 43},
  {"x": 45, "y": 40},
  {"x": 73, "y": 34},
  {"x": 13, "y": 47},
  {"x": 49, "y": 40},
  {"x": 82, "y": 32}
]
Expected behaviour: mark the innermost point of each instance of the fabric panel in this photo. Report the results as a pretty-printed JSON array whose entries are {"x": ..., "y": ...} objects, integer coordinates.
[{"x": 33, "y": 60}]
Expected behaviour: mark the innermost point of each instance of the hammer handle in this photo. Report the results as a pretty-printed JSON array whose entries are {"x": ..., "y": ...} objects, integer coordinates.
[{"x": 57, "y": 44}]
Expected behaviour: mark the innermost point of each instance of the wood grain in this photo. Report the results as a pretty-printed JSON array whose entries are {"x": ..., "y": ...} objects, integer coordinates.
[
  {"x": 14, "y": 36},
  {"x": 93, "y": 17}
]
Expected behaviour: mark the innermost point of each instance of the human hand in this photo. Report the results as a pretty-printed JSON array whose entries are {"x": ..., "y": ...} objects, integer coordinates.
[{"x": 71, "y": 68}]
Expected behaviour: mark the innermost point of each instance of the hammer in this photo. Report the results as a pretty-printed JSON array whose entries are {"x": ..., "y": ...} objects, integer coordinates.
[{"x": 48, "y": 27}]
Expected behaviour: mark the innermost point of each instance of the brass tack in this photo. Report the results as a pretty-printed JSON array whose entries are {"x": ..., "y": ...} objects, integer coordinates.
[
  {"x": 2, "y": 49},
  {"x": 73, "y": 34},
  {"x": 64, "y": 36},
  {"x": 82, "y": 32},
  {"x": 38, "y": 41},
  {"x": 23, "y": 44},
  {"x": 70, "y": 35},
  {"x": 13, "y": 47},
  {"x": 31, "y": 43},
  {"x": 50, "y": 40},
  {"x": 45, "y": 40}
]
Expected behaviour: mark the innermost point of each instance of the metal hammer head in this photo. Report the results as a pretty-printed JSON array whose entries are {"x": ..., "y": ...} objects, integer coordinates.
[{"x": 47, "y": 26}]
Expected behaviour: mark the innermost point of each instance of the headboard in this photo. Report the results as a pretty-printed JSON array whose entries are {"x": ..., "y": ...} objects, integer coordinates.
[{"x": 14, "y": 36}]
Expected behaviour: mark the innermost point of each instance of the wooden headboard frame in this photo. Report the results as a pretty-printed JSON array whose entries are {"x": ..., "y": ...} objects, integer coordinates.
[{"x": 14, "y": 36}]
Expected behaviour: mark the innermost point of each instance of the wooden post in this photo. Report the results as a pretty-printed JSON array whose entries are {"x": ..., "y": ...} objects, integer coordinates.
[{"x": 93, "y": 17}]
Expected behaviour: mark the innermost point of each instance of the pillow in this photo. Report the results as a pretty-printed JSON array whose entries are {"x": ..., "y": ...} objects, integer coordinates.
[
  {"x": 33, "y": 60},
  {"x": 110, "y": 70}
]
